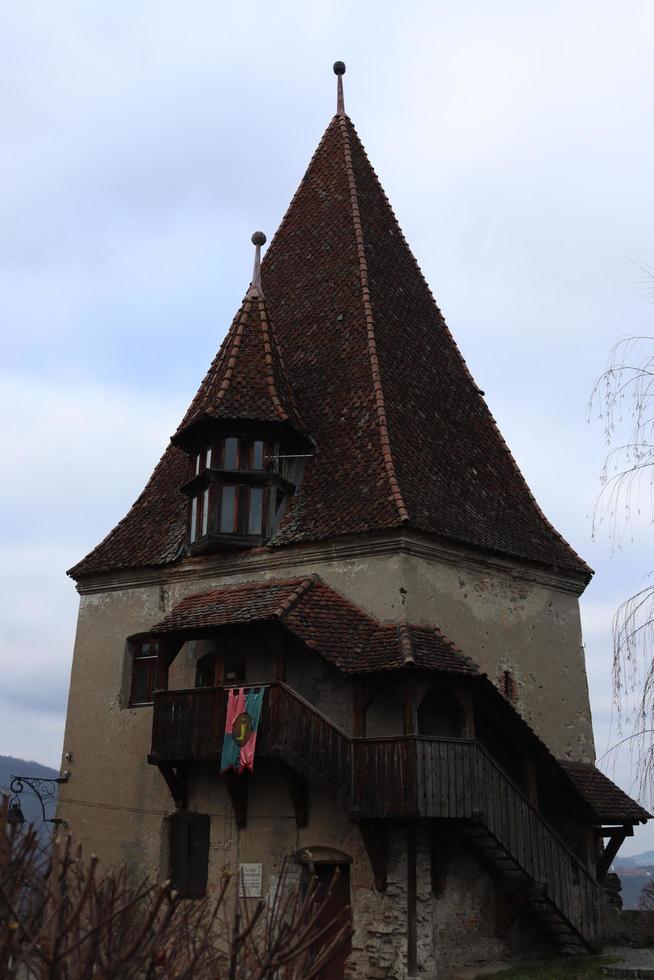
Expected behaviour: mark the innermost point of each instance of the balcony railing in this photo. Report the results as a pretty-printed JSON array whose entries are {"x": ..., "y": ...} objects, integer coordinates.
[{"x": 408, "y": 776}]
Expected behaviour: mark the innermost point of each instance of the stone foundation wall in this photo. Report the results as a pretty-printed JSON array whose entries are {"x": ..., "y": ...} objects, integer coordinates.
[{"x": 453, "y": 930}]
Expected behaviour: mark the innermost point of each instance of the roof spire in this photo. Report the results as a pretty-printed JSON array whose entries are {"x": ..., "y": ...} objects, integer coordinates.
[
  {"x": 339, "y": 70},
  {"x": 258, "y": 239}
]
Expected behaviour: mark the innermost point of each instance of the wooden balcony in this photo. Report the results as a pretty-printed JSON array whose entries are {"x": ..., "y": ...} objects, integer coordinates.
[
  {"x": 398, "y": 777},
  {"x": 403, "y": 777}
]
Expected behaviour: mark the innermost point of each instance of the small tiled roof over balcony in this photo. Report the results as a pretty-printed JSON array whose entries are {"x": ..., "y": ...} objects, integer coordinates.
[{"x": 324, "y": 620}]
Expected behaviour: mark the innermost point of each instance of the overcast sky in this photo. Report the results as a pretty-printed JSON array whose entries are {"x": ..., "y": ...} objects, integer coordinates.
[{"x": 141, "y": 146}]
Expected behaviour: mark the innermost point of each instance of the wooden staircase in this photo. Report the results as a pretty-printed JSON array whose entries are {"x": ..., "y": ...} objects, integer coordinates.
[
  {"x": 406, "y": 777},
  {"x": 531, "y": 896}
]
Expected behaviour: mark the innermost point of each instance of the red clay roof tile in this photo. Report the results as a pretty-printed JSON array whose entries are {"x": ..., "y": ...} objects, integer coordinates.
[
  {"x": 247, "y": 379},
  {"x": 403, "y": 434},
  {"x": 609, "y": 803},
  {"x": 323, "y": 619}
]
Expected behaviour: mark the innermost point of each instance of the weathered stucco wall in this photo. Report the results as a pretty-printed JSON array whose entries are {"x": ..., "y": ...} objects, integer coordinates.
[
  {"x": 500, "y": 617},
  {"x": 116, "y": 803}
]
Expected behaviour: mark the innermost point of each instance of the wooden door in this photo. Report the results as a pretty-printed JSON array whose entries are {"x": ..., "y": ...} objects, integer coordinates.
[{"x": 335, "y": 912}]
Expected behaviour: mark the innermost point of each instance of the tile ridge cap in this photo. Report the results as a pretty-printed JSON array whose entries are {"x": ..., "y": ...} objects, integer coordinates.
[
  {"x": 406, "y": 641},
  {"x": 387, "y": 453},
  {"x": 269, "y": 340},
  {"x": 512, "y": 459},
  {"x": 294, "y": 597},
  {"x": 235, "y": 348}
]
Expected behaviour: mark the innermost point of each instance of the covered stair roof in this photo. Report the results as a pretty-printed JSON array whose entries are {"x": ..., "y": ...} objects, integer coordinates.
[{"x": 607, "y": 801}]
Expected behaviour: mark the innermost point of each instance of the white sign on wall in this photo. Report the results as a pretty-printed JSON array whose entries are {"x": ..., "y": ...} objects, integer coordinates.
[{"x": 250, "y": 879}]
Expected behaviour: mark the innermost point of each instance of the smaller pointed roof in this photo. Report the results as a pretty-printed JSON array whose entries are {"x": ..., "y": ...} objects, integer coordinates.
[{"x": 247, "y": 380}]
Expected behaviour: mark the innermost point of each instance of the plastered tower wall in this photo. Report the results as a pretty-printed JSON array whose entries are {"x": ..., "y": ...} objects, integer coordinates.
[{"x": 503, "y": 617}]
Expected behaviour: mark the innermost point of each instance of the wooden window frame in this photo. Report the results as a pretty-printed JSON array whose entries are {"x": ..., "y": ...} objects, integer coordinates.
[{"x": 137, "y": 660}]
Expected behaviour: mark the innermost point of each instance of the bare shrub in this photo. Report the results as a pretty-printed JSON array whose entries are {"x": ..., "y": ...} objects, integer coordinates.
[{"x": 60, "y": 919}]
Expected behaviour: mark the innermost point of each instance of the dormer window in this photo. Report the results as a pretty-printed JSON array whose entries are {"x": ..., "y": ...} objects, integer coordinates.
[{"x": 237, "y": 490}]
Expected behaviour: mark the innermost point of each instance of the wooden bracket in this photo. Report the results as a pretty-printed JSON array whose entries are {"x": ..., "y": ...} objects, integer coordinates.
[
  {"x": 445, "y": 843},
  {"x": 508, "y": 906},
  {"x": 237, "y": 787},
  {"x": 616, "y": 840},
  {"x": 177, "y": 782},
  {"x": 376, "y": 841},
  {"x": 299, "y": 790}
]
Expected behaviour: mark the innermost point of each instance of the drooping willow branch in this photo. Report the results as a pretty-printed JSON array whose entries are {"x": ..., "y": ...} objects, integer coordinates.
[{"x": 623, "y": 399}]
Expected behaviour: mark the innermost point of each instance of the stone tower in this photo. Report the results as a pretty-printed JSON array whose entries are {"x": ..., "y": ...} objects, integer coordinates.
[{"x": 338, "y": 520}]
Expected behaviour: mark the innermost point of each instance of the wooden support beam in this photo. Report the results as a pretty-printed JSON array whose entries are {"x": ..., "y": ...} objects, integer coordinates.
[
  {"x": 446, "y": 840},
  {"x": 237, "y": 788},
  {"x": 167, "y": 650},
  {"x": 410, "y": 705},
  {"x": 411, "y": 902},
  {"x": 358, "y": 710},
  {"x": 463, "y": 694},
  {"x": 530, "y": 779},
  {"x": 375, "y": 835},
  {"x": 626, "y": 829},
  {"x": 299, "y": 791},
  {"x": 606, "y": 860},
  {"x": 177, "y": 782},
  {"x": 508, "y": 906}
]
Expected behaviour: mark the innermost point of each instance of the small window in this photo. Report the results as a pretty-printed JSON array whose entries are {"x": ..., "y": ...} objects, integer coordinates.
[
  {"x": 205, "y": 512},
  {"x": 231, "y": 454},
  {"x": 208, "y": 459},
  {"x": 189, "y": 853},
  {"x": 508, "y": 685},
  {"x": 257, "y": 455},
  {"x": 228, "y": 510},
  {"x": 205, "y": 671},
  {"x": 144, "y": 673},
  {"x": 193, "y": 524},
  {"x": 235, "y": 671},
  {"x": 255, "y": 511}
]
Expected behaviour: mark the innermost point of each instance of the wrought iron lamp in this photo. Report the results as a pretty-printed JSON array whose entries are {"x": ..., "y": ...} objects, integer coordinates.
[
  {"x": 15, "y": 816},
  {"x": 45, "y": 791}
]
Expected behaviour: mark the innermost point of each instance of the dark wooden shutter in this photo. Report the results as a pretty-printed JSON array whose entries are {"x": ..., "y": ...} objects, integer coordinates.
[
  {"x": 198, "y": 854},
  {"x": 189, "y": 853}
]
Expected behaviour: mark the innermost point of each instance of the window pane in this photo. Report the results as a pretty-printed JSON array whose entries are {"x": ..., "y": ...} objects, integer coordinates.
[
  {"x": 208, "y": 462},
  {"x": 197, "y": 463},
  {"x": 205, "y": 511},
  {"x": 235, "y": 671},
  {"x": 257, "y": 456},
  {"x": 255, "y": 513},
  {"x": 228, "y": 510},
  {"x": 231, "y": 454},
  {"x": 144, "y": 672},
  {"x": 194, "y": 520}
]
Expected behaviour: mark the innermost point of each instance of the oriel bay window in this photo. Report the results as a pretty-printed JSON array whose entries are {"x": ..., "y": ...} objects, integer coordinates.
[
  {"x": 238, "y": 509},
  {"x": 237, "y": 489}
]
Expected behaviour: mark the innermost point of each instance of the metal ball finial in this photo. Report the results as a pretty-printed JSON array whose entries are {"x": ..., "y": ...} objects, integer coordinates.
[
  {"x": 339, "y": 71},
  {"x": 258, "y": 238}
]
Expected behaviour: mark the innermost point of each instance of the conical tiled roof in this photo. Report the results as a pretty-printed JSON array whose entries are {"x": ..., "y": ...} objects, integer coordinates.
[
  {"x": 404, "y": 437},
  {"x": 246, "y": 380}
]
